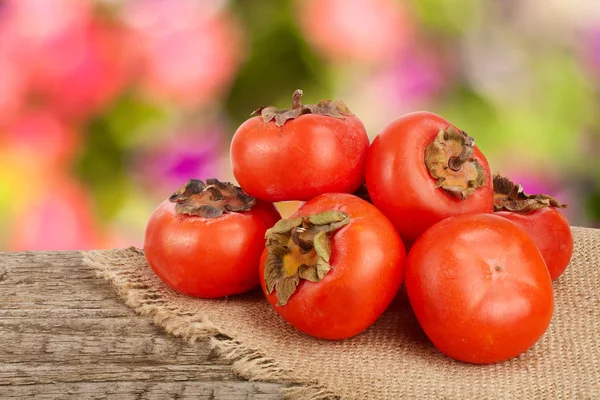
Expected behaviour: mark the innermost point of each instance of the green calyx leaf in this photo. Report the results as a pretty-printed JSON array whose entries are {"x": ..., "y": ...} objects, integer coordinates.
[
  {"x": 210, "y": 199},
  {"x": 322, "y": 246},
  {"x": 287, "y": 284},
  {"x": 334, "y": 109},
  {"x": 511, "y": 197},
  {"x": 305, "y": 236}
]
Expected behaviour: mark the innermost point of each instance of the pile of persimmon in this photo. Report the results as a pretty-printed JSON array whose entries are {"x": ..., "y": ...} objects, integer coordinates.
[{"x": 482, "y": 256}]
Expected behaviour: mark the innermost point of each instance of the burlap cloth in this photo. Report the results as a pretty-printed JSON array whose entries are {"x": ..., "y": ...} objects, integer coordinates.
[{"x": 392, "y": 359}]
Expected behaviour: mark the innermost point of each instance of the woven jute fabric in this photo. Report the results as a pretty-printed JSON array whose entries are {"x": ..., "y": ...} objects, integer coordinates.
[{"x": 392, "y": 359}]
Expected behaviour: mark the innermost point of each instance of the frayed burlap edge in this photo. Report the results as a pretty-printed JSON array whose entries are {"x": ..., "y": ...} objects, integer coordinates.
[{"x": 247, "y": 363}]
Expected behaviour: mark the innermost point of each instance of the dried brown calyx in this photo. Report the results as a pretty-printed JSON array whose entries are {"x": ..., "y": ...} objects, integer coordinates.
[
  {"x": 300, "y": 248},
  {"x": 511, "y": 197},
  {"x": 335, "y": 109},
  {"x": 210, "y": 199},
  {"x": 449, "y": 159}
]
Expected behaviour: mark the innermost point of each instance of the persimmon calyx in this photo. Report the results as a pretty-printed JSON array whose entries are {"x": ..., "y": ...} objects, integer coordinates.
[
  {"x": 509, "y": 196},
  {"x": 210, "y": 199},
  {"x": 449, "y": 159},
  {"x": 300, "y": 248},
  {"x": 335, "y": 109}
]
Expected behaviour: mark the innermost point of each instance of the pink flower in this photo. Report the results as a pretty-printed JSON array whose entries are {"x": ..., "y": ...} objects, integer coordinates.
[
  {"x": 189, "y": 153},
  {"x": 591, "y": 49},
  {"x": 367, "y": 31},
  {"x": 190, "y": 51},
  {"x": 40, "y": 138},
  {"x": 84, "y": 70},
  {"x": 410, "y": 82},
  {"x": 32, "y": 23},
  {"x": 69, "y": 60},
  {"x": 414, "y": 78},
  {"x": 14, "y": 87}
]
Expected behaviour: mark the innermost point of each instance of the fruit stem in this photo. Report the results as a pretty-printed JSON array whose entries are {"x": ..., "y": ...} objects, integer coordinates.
[
  {"x": 334, "y": 109},
  {"x": 450, "y": 161},
  {"x": 297, "y": 99},
  {"x": 454, "y": 163}
]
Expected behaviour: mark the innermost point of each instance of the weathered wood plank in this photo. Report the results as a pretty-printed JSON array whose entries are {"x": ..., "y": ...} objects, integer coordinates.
[
  {"x": 61, "y": 349},
  {"x": 36, "y": 373},
  {"x": 65, "y": 334},
  {"x": 146, "y": 390}
]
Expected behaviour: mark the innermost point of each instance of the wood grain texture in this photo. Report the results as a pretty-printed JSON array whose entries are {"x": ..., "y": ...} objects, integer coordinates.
[{"x": 65, "y": 334}]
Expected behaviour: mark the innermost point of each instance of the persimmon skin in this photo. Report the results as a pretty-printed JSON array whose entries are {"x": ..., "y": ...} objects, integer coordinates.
[
  {"x": 367, "y": 267},
  {"x": 208, "y": 257},
  {"x": 400, "y": 184},
  {"x": 479, "y": 288},
  {"x": 550, "y": 232},
  {"x": 307, "y": 156}
]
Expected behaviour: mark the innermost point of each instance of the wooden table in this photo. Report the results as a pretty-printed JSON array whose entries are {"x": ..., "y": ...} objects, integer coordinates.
[{"x": 64, "y": 333}]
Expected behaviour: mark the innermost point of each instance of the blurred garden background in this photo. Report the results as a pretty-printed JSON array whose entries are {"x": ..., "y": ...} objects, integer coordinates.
[{"x": 108, "y": 106}]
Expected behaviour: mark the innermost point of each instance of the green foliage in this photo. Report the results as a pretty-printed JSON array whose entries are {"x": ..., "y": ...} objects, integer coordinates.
[
  {"x": 279, "y": 60},
  {"x": 132, "y": 121},
  {"x": 540, "y": 122},
  {"x": 111, "y": 139},
  {"x": 446, "y": 17},
  {"x": 593, "y": 205},
  {"x": 470, "y": 111},
  {"x": 543, "y": 124}
]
